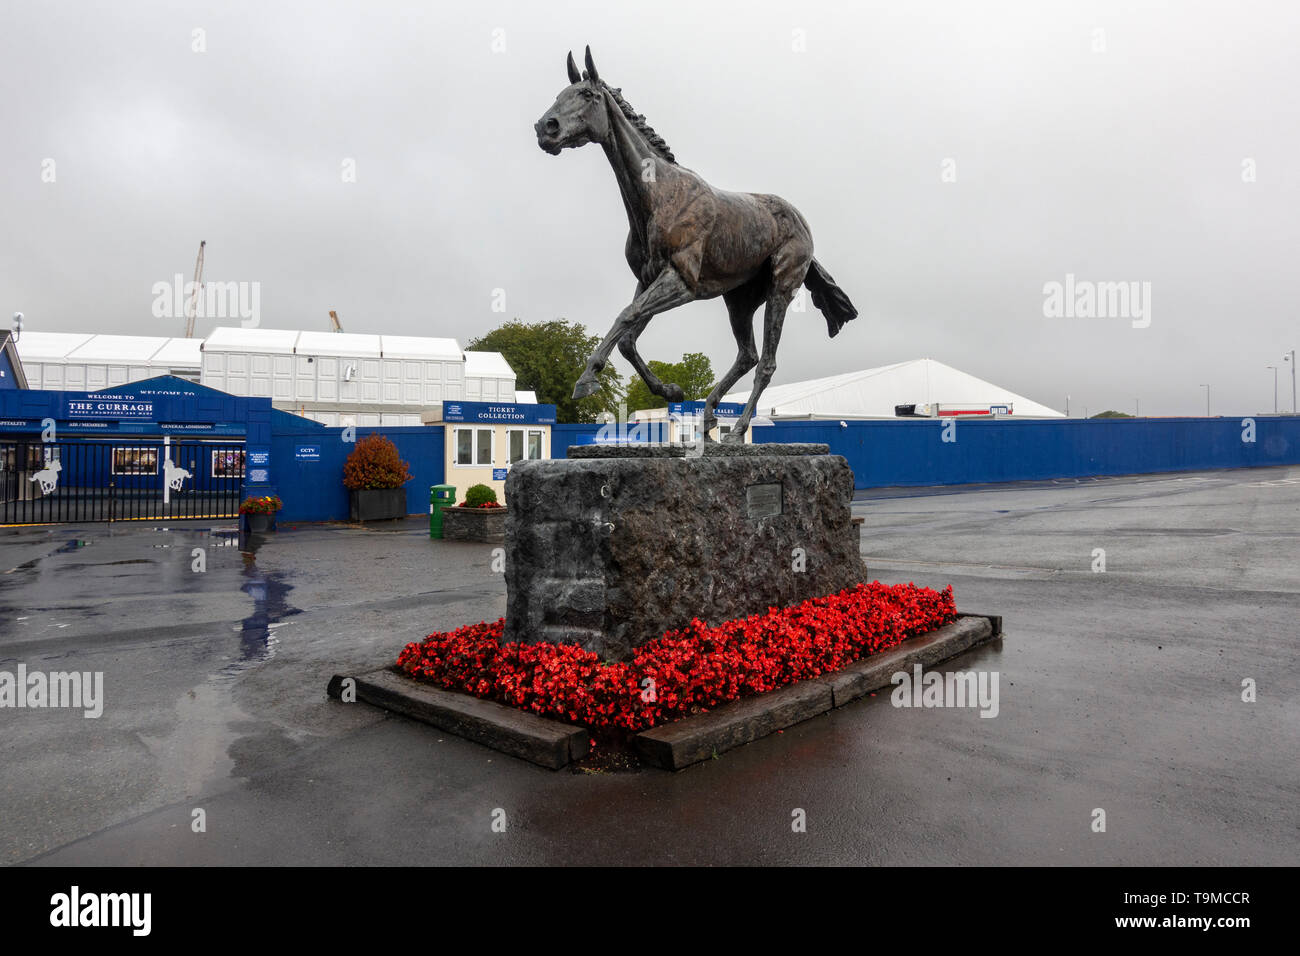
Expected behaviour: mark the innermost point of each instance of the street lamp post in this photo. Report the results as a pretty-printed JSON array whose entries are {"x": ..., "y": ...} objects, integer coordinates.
[
  {"x": 1274, "y": 368},
  {"x": 1290, "y": 357},
  {"x": 1207, "y": 399},
  {"x": 1137, "y": 408}
]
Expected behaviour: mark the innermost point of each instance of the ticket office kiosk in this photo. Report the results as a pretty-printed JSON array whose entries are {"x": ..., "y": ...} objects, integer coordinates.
[{"x": 482, "y": 440}]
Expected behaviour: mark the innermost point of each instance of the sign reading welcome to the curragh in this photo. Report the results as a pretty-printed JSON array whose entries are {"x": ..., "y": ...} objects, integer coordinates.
[
  {"x": 501, "y": 412},
  {"x": 114, "y": 407}
]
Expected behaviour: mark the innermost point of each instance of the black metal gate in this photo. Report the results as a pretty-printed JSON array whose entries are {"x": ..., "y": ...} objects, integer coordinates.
[{"x": 120, "y": 480}]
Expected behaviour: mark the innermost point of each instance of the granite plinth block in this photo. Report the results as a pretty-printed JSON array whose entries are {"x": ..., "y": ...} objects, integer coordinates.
[{"x": 610, "y": 551}]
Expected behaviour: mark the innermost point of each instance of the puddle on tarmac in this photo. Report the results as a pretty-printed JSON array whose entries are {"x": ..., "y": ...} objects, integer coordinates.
[
  {"x": 257, "y": 639},
  {"x": 198, "y": 749}
]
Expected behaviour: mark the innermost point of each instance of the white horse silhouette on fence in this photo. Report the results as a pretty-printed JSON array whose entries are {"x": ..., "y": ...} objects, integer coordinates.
[
  {"x": 174, "y": 474},
  {"x": 48, "y": 476}
]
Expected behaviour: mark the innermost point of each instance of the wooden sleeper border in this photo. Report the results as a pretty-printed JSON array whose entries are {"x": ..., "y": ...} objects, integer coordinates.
[{"x": 674, "y": 746}]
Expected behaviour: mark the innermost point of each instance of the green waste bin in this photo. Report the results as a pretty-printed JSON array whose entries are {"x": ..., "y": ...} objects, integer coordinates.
[{"x": 440, "y": 496}]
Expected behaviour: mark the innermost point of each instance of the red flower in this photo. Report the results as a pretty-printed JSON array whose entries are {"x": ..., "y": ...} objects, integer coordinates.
[{"x": 691, "y": 671}]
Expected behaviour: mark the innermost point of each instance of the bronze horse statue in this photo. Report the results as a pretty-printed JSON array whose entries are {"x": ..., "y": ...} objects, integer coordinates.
[{"x": 690, "y": 241}]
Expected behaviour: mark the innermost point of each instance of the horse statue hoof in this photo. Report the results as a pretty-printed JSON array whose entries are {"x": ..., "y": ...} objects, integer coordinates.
[
  {"x": 674, "y": 393},
  {"x": 585, "y": 388}
]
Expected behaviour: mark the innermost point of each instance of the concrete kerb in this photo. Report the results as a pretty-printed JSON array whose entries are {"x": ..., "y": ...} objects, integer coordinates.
[{"x": 551, "y": 744}]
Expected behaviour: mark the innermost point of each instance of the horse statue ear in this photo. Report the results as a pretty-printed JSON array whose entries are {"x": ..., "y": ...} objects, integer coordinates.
[
  {"x": 574, "y": 75},
  {"x": 591, "y": 68}
]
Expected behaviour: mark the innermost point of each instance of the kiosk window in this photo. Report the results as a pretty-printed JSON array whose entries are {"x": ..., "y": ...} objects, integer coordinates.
[
  {"x": 525, "y": 444},
  {"x": 473, "y": 446}
]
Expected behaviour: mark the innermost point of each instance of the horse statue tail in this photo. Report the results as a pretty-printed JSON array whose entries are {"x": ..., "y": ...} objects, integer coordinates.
[{"x": 829, "y": 298}]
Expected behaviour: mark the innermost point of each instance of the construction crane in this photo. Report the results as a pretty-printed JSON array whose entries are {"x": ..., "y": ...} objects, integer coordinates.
[
  {"x": 191, "y": 308},
  {"x": 334, "y": 321}
]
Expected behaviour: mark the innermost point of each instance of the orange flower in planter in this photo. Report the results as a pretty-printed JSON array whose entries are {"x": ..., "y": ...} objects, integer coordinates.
[{"x": 375, "y": 463}]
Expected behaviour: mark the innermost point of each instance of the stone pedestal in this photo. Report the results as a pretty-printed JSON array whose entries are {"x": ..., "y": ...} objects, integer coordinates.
[{"x": 617, "y": 544}]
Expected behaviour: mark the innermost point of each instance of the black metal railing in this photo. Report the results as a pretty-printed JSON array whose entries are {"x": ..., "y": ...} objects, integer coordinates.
[{"x": 120, "y": 480}]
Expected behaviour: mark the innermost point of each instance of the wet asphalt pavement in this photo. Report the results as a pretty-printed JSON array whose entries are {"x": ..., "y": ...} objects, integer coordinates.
[{"x": 1119, "y": 690}]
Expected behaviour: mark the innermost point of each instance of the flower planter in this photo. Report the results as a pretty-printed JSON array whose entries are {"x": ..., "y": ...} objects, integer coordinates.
[
  {"x": 260, "y": 523},
  {"x": 257, "y": 513},
  {"x": 378, "y": 504},
  {"x": 474, "y": 524}
]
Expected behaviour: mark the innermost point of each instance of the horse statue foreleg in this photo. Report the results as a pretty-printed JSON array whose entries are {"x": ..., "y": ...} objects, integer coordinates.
[
  {"x": 666, "y": 292},
  {"x": 627, "y": 348}
]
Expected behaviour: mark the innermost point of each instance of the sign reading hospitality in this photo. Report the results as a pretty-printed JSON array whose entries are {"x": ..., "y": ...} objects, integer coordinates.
[{"x": 512, "y": 413}]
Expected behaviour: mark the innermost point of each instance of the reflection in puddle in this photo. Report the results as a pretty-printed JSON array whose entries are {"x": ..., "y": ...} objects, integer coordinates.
[{"x": 257, "y": 640}]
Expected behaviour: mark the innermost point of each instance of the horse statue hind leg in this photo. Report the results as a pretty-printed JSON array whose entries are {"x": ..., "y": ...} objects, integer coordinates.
[
  {"x": 741, "y": 304},
  {"x": 789, "y": 266}
]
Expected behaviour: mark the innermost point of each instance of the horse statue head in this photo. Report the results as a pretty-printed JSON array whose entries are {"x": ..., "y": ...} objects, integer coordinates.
[{"x": 578, "y": 116}]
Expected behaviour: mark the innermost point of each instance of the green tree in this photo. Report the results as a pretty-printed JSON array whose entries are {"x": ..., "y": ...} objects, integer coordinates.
[
  {"x": 547, "y": 358},
  {"x": 694, "y": 373},
  {"x": 1111, "y": 413}
]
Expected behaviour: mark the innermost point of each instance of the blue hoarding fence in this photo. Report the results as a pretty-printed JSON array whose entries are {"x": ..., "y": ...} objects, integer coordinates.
[
  {"x": 309, "y": 468},
  {"x": 624, "y": 433},
  {"x": 562, "y": 436},
  {"x": 886, "y": 453}
]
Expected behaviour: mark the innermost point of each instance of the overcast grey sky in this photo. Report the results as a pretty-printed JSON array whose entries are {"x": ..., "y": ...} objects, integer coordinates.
[{"x": 1119, "y": 155}]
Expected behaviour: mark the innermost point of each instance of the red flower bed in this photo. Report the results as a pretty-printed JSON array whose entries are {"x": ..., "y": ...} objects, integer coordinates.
[{"x": 683, "y": 672}]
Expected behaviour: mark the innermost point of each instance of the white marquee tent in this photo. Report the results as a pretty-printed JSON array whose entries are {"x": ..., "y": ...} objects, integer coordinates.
[
  {"x": 873, "y": 393},
  {"x": 336, "y": 378}
]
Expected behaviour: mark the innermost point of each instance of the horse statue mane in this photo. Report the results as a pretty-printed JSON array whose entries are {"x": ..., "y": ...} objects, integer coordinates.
[{"x": 638, "y": 120}]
